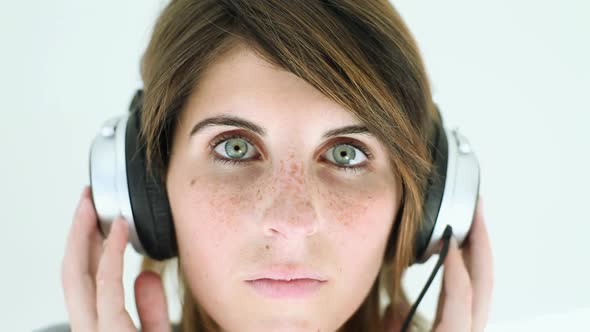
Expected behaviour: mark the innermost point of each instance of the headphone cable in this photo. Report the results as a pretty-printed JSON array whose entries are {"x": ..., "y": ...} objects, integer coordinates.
[{"x": 448, "y": 232}]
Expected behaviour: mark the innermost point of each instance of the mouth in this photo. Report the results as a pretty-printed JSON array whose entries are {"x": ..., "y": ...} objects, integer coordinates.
[{"x": 293, "y": 288}]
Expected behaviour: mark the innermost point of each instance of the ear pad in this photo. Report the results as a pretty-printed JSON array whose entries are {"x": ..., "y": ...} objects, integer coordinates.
[
  {"x": 438, "y": 148},
  {"x": 435, "y": 189},
  {"x": 148, "y": 196}
]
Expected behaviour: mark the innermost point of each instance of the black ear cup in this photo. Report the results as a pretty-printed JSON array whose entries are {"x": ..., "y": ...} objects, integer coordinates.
[
  {"x": 147, "y": 193},
  {"x": 439, "y": 152}
]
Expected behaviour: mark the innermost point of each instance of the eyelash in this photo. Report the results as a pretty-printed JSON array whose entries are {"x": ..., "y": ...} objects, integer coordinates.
[{"x": 223, "y": 138}]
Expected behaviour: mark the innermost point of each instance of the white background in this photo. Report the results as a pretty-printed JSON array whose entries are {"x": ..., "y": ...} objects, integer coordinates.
[{"x": 512, "y": 75}]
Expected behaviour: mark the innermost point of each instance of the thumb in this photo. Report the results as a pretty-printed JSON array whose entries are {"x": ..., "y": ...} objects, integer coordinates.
[
  {"x": 151, "y": 303},
  {"x": 455, "y": 314}
]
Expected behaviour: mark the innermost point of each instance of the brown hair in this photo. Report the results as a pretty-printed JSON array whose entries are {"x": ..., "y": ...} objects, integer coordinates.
[{"x": 357, "y": 52}]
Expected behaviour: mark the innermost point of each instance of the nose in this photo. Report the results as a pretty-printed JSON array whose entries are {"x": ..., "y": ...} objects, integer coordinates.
[{"x": 291, "y": 212}]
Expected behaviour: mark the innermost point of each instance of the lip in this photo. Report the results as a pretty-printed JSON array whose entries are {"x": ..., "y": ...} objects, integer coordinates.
[
  {"x": 287, "y": 273},
  {"x": 296, "y": 288},
  {"x": 286, "y": 281}
]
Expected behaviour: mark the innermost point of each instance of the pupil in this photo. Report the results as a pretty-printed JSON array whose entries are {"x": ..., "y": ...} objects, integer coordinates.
[
  {"x": 344, "y": 153},
  {"x": 235, "y": 148}
]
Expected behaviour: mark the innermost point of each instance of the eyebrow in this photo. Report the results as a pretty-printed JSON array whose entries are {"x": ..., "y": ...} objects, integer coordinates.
[{"x": 236, "y": 121}]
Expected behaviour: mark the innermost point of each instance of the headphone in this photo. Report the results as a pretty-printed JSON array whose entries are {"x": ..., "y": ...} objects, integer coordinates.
[{"x": 120, "y": 185}]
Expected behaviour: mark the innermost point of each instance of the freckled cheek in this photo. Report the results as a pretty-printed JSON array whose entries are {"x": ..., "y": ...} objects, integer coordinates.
[
  {"x": 348, "y": 210},
  {"x": 350, "y": 203},
  {"x": 212, "y": 212},
  {"x": 360, "y": 214}
]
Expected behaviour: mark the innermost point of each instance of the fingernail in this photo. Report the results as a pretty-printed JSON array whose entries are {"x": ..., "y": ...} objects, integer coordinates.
[
  {"x": 122, "y": 224},
  {"x": 115, "y": 226},
  {"x": 116, "y": 223},
  {"x": 80, "y": 201},
  {"x": 454, "y": 243},
  {"x": 79, "y": 205},
  {"x": 82, "y": 194}
]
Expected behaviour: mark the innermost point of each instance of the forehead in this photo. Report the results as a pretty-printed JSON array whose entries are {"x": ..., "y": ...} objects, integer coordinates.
[{"x": 241, "y": 83}]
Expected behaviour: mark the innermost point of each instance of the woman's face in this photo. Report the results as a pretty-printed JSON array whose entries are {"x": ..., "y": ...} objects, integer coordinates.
[{"x": 287, "y": 205}]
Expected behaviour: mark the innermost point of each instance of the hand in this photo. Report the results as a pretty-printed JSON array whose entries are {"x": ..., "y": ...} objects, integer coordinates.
[
  {"x": 91, "y": 277},
  {"x": 466, "y": 294}
]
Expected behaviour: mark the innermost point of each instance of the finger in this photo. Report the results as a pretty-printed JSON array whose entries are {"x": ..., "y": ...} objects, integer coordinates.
[
  {"x": 77, "y": 280},
  {"x": 151, "y": 303},
  {"x": 110, "y": 296},
  {"x": 439, "y": 305},
  {"x": 96, "y": 246},
  {"x": 456, "y": 313},
  {"x": 479, "y": 262}
]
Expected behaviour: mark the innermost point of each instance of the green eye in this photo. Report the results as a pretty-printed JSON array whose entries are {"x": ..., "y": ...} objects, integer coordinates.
[
  {"x": 346, "y": 154},
  {"x": 343, "y": 154},
  {"x": 236, "y": 148}
]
